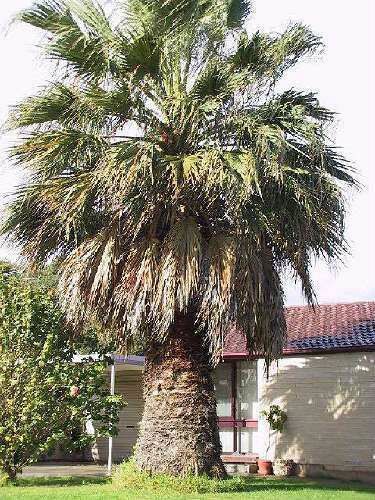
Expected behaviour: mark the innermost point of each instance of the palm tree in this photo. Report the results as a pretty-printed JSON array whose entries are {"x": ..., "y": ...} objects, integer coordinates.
[{"x": 173, "y": 184}]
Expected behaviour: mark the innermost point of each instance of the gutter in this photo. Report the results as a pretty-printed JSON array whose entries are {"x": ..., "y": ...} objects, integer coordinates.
[{"x": 296, "y": 352}]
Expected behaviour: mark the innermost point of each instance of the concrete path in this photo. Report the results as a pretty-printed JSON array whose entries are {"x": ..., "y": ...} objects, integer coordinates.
[{"x": 59, "y": 469}]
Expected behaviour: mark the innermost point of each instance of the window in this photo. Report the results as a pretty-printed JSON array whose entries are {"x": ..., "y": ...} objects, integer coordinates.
[
  {"x": 246, "y": 390},
  {"x": 223, "y": 389}
]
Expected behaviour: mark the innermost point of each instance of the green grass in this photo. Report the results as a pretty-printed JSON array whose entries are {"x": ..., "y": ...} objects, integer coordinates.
[
  {"x": 256, "y": 489},
  {"x": 127, "y": 476}
]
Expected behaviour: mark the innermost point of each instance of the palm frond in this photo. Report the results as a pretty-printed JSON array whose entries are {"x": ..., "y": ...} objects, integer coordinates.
[
  {"x": 89, "y": 108},
  {"x": 88, "y": 46},
  {"x": 59, "y": 151},
  {"x": 238, "y": 11},
  {"x": 269, "y": 56}
]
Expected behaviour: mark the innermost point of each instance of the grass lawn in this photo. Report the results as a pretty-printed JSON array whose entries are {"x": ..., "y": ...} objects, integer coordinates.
[{"x": 258, "y": 489}]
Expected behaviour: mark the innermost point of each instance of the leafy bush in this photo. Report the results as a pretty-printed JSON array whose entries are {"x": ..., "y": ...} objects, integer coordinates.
[
  {"x": 45, "y": 398},
  {"x": 4, "y": 479},
  {"x": 127, "y": 476}
]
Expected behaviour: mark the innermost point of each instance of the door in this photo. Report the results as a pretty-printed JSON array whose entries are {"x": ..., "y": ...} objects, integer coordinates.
[{"x": 237, "y": 398}]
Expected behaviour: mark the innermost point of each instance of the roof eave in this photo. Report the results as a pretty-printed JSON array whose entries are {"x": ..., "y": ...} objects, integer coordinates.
[{"x": 232, "y": 356}]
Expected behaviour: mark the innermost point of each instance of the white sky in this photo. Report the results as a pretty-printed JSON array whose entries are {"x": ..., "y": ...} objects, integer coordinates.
[{"x": 344, "y": 77}]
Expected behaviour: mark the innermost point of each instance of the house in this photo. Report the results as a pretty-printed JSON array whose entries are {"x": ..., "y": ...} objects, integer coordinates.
[{"x": 325, "y": 381}]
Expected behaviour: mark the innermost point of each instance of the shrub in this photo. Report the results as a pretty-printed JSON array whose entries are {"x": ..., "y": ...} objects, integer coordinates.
[{"x": 45, "y": 399}]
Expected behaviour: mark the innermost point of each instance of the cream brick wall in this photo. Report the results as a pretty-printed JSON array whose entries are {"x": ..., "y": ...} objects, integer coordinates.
[{"x": 330, "y": 402}]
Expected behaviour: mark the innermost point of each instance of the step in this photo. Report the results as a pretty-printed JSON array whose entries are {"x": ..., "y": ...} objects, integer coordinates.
[{"x": 250, "y": 458}]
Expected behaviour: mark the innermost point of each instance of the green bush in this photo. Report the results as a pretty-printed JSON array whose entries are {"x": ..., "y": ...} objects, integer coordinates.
[
  {"x": 127, "y": 476},
  {"x": 45, "y": 399},
  {"x": 4, "y": 479}
]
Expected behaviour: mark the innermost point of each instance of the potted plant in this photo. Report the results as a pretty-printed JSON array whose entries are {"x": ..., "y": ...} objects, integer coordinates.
[
  {"x": 283, "y": 467},
  {"x": 276, "y": 418}
]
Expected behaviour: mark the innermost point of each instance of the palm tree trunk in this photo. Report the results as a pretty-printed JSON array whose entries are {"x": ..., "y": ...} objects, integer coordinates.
[{"x": 179, "y": 433}]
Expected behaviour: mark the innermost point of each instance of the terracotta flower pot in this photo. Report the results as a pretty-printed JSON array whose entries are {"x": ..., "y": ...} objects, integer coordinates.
[{"x": 265, "y": 467}]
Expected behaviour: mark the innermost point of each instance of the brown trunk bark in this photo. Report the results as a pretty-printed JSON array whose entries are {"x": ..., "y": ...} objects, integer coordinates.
[{"x": 179, "y": 433}]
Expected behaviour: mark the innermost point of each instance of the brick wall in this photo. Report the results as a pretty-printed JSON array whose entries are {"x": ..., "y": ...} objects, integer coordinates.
[{"x": 330, "y": 402}]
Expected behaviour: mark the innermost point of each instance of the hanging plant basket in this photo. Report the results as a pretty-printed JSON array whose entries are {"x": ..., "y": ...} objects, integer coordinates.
[{"x": 276, "y": 417}]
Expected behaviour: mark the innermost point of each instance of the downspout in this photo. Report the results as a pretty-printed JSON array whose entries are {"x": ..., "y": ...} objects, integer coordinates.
[{"x": 110, "y": 439}]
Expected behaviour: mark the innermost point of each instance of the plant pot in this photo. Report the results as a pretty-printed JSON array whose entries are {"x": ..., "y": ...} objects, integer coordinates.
[{"x": 265, "y": 467}]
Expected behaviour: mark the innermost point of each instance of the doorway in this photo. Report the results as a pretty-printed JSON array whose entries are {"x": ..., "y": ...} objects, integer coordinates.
[{"x": 236, "y": 391}]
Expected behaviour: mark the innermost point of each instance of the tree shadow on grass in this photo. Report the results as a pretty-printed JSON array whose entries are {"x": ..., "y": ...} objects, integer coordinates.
[
  {"x": 62, "y": 481},
  {"x": 277, "y": 484},
  {"x": 246, "y": 485}
]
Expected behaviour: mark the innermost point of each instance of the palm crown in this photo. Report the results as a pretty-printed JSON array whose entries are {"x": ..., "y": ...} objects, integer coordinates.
[{"x": 167, "y": 173}]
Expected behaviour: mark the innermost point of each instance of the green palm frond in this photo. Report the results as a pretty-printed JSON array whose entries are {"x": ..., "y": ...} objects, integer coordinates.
[
  {"x": 214, "y": 80},
  {"x": 238, "y": 11},
  {"x": 175, "y": 15},
  {"x": 59, "y": 152},
  {"x": 49, "y": 15},
  {"x": 90, "y": 108},
  {"x": 79, "y": 34},
  {"x": 269, "y": 56}
]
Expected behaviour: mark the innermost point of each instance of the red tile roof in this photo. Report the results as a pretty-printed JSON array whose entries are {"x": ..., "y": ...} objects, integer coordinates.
[{"x": 330, "y": 328}]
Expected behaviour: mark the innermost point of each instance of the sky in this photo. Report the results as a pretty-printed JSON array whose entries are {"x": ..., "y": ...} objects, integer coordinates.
[{"x": 343, "y": 76}]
